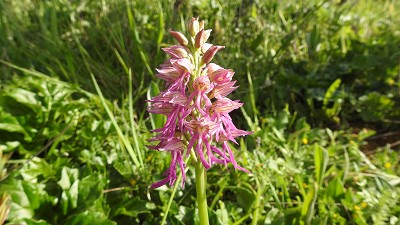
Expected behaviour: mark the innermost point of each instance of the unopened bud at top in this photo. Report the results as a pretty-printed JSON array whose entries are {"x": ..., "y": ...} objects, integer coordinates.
[{"x": 193, "y": 26}]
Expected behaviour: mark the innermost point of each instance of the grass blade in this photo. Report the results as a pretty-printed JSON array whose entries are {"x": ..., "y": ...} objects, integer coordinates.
[
  {"x": 124, "y": 139},
  {"x": 132, "y": 121}
]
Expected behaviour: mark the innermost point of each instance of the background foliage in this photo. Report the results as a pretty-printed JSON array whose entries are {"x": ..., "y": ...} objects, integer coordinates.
[{"x": 321, "y": 86}]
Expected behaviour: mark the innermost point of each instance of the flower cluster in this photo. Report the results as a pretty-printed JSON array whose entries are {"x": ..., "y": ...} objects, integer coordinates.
[{"x": 195, "y": 103}]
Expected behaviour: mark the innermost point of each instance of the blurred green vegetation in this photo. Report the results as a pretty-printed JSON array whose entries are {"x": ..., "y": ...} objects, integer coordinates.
[{"x": 320, "y": 81}]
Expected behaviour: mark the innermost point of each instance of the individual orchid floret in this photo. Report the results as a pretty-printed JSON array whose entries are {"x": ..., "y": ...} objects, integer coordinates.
[
  {"x": 183, "y": 65},
  {"x": 176, "y": 148},
  {"x": 160, "y": 108},
  {"x": 221, "y": 76},
  {"x": 233, "y": 133},
  {"x": 196, "y": 106},
  {"x": 171, "y": 104},
  {"x": 212, "y": 67},
  {"x": 194, "y": 26},
  {"x": 205, "y": 47},
  {"x": 176, "y": 51},
  {"x": 201, "y": 131},
  {"x": 173, "y": 144},
  {"x": 201, "y": 38},
  {"x": 232, "y": 160},
  {"x": 222, "y": 90},
  {"x": 201, "y": 86},
  {"x": 210, "y": 53},
  {"x": 173, "y": 97},
  {"x": 223, "y": 106},
  {"x": 230, "y": 132},
  {"x": 179, "y": 37},
  {"x": 176, "y": 72},
  {"x": 168, "y": 72}
]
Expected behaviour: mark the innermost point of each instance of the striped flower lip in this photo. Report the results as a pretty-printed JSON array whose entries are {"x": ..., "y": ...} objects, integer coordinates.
[
  {"x": 203, "y": 125},
  {"x": 225, "y": 105}
]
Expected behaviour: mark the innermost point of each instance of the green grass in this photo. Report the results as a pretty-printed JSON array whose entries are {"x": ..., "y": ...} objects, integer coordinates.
[{"x": 320, "y": 82}]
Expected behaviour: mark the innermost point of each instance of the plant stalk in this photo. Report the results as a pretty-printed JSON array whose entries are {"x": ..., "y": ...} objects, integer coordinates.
[{"x": 201, "y": 193}]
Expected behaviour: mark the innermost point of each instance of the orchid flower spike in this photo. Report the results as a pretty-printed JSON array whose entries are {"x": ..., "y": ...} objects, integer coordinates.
[{"x": 195, "y": 104}]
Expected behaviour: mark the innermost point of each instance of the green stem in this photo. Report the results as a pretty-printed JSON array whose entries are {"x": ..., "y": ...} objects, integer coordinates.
[
  {"x": 171, "y": 198},
  {"x": 201, "y": 193},
  {"x": 257, "y": 203}
]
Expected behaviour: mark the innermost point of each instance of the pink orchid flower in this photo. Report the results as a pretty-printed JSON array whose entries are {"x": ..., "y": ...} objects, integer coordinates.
[{"x": 195, "y": 105}]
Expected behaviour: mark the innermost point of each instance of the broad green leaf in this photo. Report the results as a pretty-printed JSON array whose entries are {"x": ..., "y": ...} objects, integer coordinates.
[
  {"x": 73, "y": 194},
  {"x": 90, "y": 189},
  {"x": 69, "y": 183},
  {"x": 12, "y": 128},
  {"x": 36, "y": 167},
  {"x": 10, "y": 124},
  {"x": 335, "y": 188},
  {"x": 68, "y": 177},
  {"x": 27, "y": 197},
  {"x": 25, "y": 97}
]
